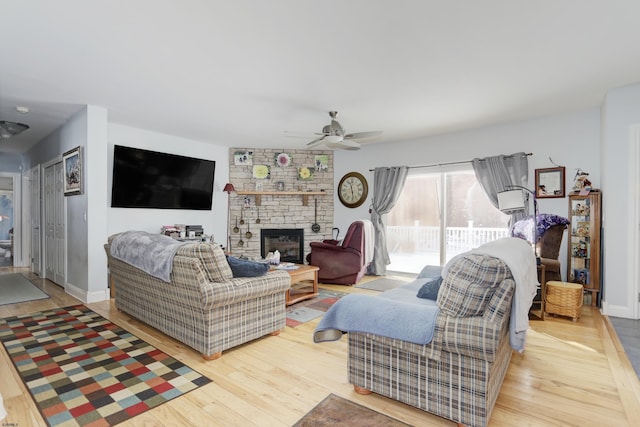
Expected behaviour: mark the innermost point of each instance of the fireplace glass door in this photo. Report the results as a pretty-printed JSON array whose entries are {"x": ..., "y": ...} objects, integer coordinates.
[{"x": 288, "y": 241}]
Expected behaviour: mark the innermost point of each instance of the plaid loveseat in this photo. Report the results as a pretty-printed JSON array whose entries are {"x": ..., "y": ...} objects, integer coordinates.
[
  {"x": 459, "y": 373},
  {"x": 202, "y": 306}
]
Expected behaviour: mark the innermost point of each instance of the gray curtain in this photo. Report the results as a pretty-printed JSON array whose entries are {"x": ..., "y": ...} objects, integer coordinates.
[
  {"x": 387, "y": 185},
  {"x": 495, "y": 173}
]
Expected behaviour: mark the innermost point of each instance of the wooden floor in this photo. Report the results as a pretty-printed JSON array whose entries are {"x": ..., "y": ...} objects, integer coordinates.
[{"x": 572, "y": 374}]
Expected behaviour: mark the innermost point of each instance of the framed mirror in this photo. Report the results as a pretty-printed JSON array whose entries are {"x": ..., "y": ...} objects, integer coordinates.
[{"x": 550, "y": 183}]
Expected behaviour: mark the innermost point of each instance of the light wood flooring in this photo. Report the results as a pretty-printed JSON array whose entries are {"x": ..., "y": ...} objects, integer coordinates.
[{"x": 572, "y": 374}]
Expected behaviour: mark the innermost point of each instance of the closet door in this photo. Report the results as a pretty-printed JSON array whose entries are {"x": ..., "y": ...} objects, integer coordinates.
[
  {"x": 60, "y": 232},
  {"x": 34, "y": 174},
  {"x": 54, "y": 245}
]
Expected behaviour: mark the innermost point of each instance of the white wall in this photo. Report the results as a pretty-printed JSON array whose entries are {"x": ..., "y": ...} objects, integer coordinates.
[
  {"x": 74, "y": 133},
  {"x": 86, "y": 271},
  {"x": 571, "y": 140},
  {"x": 11, "y": 162},
  {"x": 621, "y": 110},
  {"x": 95, "y": 211},
  {"x": 122, "y": 219}
]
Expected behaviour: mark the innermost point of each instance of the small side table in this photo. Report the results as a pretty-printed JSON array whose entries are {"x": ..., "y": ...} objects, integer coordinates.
[{"x": 304, "y": 283}]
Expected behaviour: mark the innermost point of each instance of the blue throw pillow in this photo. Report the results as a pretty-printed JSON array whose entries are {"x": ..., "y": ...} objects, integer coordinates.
[
  {"x": 430, "y": 289},
  {"x": 430, "y": 272},
  {"x": 246, "y": 268}
]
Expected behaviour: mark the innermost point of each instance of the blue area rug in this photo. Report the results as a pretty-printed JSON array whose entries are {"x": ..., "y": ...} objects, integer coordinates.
[
  {"x": 383, "y": 284},
  {"x": 15, "y": 288}
]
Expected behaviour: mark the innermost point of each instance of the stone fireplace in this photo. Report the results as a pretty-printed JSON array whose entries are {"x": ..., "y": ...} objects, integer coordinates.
[
  {"x": 279, "y": 201},
  {"x": 288, "y": 241}
]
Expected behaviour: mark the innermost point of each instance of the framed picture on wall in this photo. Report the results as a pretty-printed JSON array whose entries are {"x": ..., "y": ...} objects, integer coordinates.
[
  {"x": 72, "y": 165},
  {"x": 550, "y": 182}
]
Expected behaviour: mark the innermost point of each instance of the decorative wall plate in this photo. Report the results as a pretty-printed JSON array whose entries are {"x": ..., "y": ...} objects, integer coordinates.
[
  {"x": 283, "y": 160},
  {"x": 305, "y": 173},
  {"x": 261, "y": 172}
]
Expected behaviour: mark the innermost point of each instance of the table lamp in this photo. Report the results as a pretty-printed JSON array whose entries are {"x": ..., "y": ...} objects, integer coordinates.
[{"x": 512, "y": 200}]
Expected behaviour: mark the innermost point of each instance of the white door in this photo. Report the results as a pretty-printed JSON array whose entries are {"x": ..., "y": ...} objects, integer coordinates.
[
  {"x": 34, "y": 175},
  {"x": 60, "y": 222},
  {"x": 634, "y": 222},
  {"x": 54, "y": 254}
]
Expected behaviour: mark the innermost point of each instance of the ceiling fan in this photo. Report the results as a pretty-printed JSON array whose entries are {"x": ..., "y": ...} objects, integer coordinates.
[{"x": 334, "y": 136}]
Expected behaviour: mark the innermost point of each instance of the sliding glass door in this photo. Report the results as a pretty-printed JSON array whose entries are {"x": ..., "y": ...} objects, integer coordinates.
[{"x": 439, "y": 215}]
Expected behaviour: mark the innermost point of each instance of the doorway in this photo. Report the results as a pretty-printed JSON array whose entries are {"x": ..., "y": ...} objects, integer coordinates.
[
  {"x": 6, "y": 221},
  {"x": 439, "y": 214}
]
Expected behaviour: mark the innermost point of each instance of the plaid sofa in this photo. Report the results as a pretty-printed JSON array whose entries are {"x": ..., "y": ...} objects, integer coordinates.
[
  {"x": 203, "y": 306},
  {"x": 459, "y": 373}
]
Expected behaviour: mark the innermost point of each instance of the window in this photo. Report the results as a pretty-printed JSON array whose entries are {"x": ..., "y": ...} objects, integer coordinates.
[{"x": 439, "y": 215}]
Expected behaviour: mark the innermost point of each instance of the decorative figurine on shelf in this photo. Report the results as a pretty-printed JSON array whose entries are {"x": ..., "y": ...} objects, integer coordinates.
[{"x": 580, "y": 182}]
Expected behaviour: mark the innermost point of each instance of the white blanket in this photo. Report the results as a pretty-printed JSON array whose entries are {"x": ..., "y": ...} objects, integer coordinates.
[
  {"x": 518, "y": 255},
  {"x": 369, "y": 240}
]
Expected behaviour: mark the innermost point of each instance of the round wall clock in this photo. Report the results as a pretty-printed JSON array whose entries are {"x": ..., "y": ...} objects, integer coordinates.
[{"x": 353, "y": 190}]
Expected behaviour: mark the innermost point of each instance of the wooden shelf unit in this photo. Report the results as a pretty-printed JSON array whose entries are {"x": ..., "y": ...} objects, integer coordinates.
[
  {"x": 584, "y": 258},
  {"x": 305, "y": 195}
]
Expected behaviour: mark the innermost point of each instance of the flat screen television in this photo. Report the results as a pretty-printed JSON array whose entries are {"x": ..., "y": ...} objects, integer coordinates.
[{"x": 149, "y": 179}]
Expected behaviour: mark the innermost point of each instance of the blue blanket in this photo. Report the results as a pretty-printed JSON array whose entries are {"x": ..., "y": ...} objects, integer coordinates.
[
  {"x": 406, "y": 321},
  {"x": 151, "y": 253}
]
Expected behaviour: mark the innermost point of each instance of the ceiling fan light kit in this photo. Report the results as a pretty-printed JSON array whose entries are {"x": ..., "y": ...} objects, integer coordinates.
[
  {"x": 333, "y": 139},
  {"x": 345, "y": 144}
]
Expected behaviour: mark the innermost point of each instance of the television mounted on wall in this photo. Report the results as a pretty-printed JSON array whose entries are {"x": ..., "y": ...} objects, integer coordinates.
[{"x": 154, "y": 180}]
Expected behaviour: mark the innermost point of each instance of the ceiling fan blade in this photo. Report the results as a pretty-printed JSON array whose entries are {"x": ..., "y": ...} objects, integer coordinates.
[
  {"x": 357, "y": 135},
  {"x": 316, "y": 141},
  {"x": 344, "y": 145},
  {"x": 337, "y": 128}
]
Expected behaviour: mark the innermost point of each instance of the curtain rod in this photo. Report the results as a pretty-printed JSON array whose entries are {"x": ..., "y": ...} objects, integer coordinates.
[{"x": 450, "y": 163}]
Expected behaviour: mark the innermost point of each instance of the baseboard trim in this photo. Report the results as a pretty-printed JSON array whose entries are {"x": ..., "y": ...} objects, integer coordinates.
[
  {"x": 86, "y": 297},
  {"x": 617, "y": 310}
]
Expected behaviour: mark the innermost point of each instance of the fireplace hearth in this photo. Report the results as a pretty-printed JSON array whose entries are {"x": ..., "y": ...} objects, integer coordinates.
[{"x": 288, "y": 241}]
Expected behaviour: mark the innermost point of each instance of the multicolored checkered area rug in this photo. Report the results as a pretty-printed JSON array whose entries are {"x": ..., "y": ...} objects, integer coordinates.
[{"x": 82, "y": 370}]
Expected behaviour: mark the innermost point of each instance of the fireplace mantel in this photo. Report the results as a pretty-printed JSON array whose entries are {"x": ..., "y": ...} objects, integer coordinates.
[{"x": 305, "y": 195}]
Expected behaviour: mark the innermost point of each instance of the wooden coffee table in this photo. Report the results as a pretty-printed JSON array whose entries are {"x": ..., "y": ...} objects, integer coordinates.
[{"x": 304, "y": 283}]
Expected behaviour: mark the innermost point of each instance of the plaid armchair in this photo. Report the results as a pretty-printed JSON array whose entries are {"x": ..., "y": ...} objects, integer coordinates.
[{"x": 457, "y": 375}]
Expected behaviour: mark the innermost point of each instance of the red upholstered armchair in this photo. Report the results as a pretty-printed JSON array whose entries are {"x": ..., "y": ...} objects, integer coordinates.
[{"x": 343, "y": 263}]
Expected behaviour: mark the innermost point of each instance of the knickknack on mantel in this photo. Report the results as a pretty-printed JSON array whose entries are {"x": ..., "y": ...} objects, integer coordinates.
[{"x": 305, "y": 195}]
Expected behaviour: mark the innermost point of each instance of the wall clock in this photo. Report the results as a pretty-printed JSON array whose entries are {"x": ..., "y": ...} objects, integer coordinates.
[{"x": 353, "y": 190}]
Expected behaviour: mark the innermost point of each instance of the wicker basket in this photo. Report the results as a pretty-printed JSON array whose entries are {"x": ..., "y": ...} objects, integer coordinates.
[{"x": 564, "y": 299}]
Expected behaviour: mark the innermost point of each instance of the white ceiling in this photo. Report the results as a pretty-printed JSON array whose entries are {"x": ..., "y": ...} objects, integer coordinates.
[{"x": 242, "y": 73}]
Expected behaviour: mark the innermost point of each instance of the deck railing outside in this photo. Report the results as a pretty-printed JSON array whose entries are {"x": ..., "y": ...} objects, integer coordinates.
[{"x": 413, "y": 247}]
